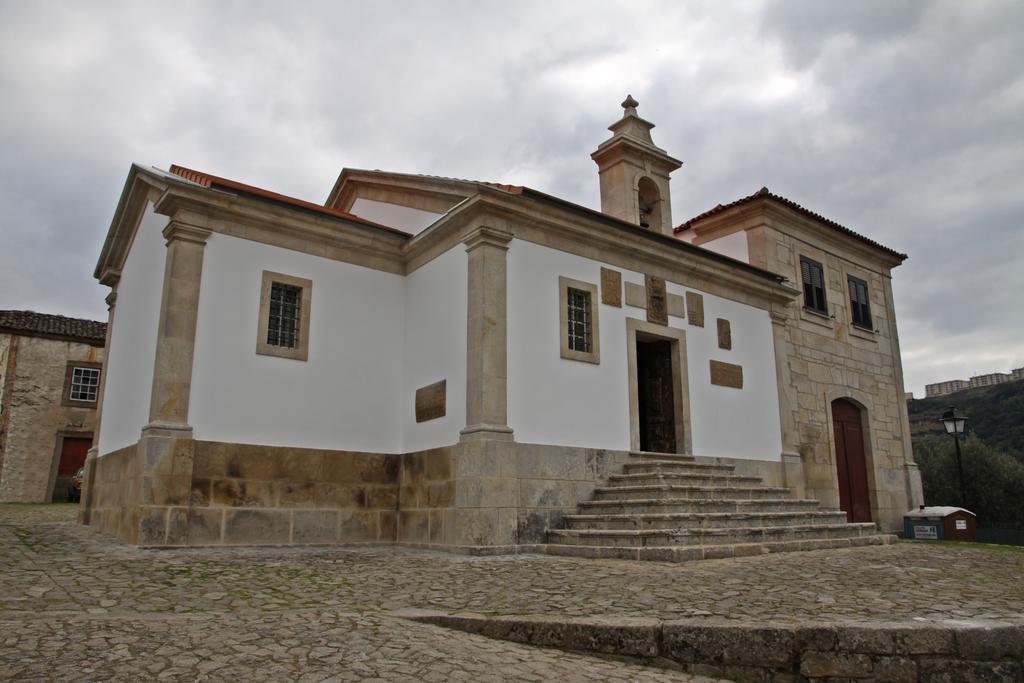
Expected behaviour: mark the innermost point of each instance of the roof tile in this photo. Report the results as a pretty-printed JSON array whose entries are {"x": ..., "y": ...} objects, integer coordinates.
[
  {"x": 30, "y": 323},
  {"x": 765, "y": 193}
]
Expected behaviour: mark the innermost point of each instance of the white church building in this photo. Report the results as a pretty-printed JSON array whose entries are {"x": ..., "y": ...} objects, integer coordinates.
[{"x": 488, "y": 368}]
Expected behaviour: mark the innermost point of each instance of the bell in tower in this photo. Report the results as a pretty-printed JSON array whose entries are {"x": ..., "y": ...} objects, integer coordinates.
[{"x": 635, "y": 172}]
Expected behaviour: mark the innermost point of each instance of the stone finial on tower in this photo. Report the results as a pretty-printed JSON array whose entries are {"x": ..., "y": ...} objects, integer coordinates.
[
  {"x": 635, "y": 172},
  {"x": 630, "y": 105}
]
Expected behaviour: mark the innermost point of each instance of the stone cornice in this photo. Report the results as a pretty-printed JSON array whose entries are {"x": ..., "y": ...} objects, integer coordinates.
[
  {"x": 554, "y": 227},
  {"x": 140, "y": 187},
  {"x": 249, "y": 218},
  {"x": 487, "y": 236},
  {"x": 183, "y": 232}
]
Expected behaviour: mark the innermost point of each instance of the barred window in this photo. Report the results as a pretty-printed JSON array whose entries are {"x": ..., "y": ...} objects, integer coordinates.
[
  {"x": 285, "y": 304},
  {"x": 85, "y": 384},
  {"x": 578, "y": 320},
  {"x": 860, "y": 304},
  {"x": 285, "y": 309},
  {"x": 580, "y": 330},
  {"x": 813, "y": 276}
]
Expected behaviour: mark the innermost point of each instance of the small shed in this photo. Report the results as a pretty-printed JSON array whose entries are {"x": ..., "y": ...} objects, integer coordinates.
[{"x": 940, "y": 523}]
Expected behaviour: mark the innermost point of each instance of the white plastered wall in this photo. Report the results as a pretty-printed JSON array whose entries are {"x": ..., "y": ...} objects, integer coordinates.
[
  {"x": 435, "y": 348},
  {"x": 556, "y": 401},
  {"x": 343, "y": 397},
  {"x": 404, "y": 218},
  {"x": 132, "y": 351},
  {"x": 733, "y": 245}
]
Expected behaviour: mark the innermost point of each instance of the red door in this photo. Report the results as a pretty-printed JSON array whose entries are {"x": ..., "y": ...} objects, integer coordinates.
[
  {"x": 72, "y": 455},
  {"x": 851, "y": 464}
]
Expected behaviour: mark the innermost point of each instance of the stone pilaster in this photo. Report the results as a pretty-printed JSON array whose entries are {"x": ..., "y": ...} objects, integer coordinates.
[
  {"x": 110, "y": 278},
  {"x": 487, "y": 334},
  {"x": 165, "y": 453},
  {"x": 792, "y": 462},
  {"x": 176, "y": 335}
]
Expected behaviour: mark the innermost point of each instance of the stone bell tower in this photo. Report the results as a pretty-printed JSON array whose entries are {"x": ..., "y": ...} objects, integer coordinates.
[{"x": 635, "y": 173}]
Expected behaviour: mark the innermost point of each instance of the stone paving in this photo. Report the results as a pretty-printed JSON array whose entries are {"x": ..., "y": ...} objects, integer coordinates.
[{"x": 78, "y": 604}]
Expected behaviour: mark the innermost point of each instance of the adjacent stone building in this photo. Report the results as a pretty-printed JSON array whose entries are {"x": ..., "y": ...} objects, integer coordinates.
[
  {"x": 472, "y": 365},
  {"x": 50, "y": 371}
]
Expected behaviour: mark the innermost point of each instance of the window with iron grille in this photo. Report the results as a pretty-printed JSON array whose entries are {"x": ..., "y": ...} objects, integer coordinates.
[
  {"x": 285, "y": 311},
  {"x": 579, "y": 318},
  {"x": 285, "y": 305},
  {"x": 813, "y": 276},
  {"x": 860, "y": 305},
  {"x": 85, "y": 384}
]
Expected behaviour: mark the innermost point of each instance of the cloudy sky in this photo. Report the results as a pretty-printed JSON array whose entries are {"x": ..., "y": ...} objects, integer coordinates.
[{"x": 901, "y": 120}]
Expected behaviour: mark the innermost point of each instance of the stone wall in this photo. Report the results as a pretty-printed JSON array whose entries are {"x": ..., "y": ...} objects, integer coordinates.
[
  {"x": 483, "y": 496},
  {"x": 33, "y": 418},
  {"x": 116, "y": 487},
  {"x": 827, "y": 357}
]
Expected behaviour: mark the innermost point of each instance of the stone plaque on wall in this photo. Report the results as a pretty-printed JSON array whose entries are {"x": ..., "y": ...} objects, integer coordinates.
[
  {"x": 726, "y": 374},
  {"x": 724, "y": 334},
  {"x": 695, "y": 309},
  {"x": 430, "y": 401},
  {"x": 657, "y": 301},
  {"x": 611, "y": 287},
  {"x": 635, "y": 295},
  {"x": 676, "y": 306}
]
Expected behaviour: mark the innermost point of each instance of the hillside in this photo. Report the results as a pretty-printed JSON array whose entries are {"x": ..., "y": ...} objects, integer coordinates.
[{"x": 995, "y": 414}]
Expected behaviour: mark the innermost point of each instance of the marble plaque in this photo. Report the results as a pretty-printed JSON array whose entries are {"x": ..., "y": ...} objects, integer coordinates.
[
  {"x": 724, "y": 334},
  {"x": 726, "y": 374},
  {"x": 430, "y": 401},
  {"x": 611, "y": 287},
  {"x": 657, "y": 300},
  {"x": 695, "y": 309}
]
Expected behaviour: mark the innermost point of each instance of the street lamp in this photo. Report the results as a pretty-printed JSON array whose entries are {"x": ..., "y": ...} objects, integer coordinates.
[{"x": 954, "y": 425}]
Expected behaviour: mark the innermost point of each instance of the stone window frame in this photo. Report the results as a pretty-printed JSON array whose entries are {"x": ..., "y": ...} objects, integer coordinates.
[
  {"x": 301, "y": 351},
  {"x": 848, "y": 271},
  {"x": 594, "y": 355},
  {"x": 820, "y": 265},
  {"x": 66, "y": 399},
  {"x": 801, "y": 250}
]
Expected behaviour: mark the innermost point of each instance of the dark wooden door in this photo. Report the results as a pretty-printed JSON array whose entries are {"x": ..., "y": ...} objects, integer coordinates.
[
  {"x": 655, "y": 396},
  {"x": 851, "y": 464}
]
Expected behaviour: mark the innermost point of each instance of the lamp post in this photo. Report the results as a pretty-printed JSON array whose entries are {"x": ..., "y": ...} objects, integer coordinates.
[{"x": 954, "y": 425}]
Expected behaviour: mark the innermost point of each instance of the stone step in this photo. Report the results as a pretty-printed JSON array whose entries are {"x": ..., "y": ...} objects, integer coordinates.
[
  {"x": 681, "y": 478},
  {"x": 674, "y": 466},
  {"x": 683, "y": 553},
  {"x": 659, "y": 505},
  {"x": 704, "y": 520},
  {"x": 636, "y": 538},
  {"x": 670, "y": 457},
  {"x": 692, "y": 492}
]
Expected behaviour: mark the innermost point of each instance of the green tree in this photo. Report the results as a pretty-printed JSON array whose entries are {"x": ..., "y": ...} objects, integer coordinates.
[{"x": 994, "y": 481}]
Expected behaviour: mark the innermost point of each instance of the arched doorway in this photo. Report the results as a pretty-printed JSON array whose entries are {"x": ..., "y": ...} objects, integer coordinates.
[{"x": 851, "y": 462}]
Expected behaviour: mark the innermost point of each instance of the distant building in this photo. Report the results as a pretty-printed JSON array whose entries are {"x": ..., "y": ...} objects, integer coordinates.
[
  {"x": 990, "y": 379},
  {"x": 50, "y": 369},
  {"x": 1017, "y": 374},
  {"x": 909, "y": 396},
  {"x": 944, "y": 388}
]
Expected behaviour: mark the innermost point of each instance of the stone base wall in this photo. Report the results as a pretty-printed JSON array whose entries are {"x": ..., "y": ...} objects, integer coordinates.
[
  {"x": 116, "y": 486},
  {"x": 480, "y": 496}
]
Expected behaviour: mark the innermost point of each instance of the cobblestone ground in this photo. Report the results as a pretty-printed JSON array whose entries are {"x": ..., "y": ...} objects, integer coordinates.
[{"x": 78, "y": 604}]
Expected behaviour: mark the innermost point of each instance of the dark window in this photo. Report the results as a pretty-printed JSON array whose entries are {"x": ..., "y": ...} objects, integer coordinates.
[
  {"x": 580, "y": 333},
  {"x": 860, "y": 306},
  {"x": 85, "y": 384},
  {"x": 285, "y": 306},
  {"x": 813, "y": 276}
]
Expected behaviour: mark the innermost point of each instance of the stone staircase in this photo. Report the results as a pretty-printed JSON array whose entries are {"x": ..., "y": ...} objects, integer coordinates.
[{"x": 671, "y": 508}]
